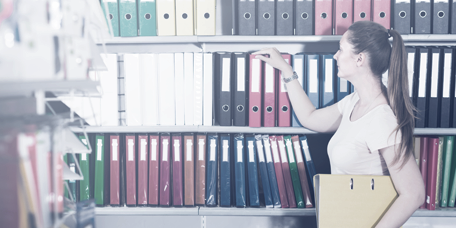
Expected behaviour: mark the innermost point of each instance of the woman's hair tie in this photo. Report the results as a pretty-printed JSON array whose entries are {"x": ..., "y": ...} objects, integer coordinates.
[{"x": 389, "y": 33}]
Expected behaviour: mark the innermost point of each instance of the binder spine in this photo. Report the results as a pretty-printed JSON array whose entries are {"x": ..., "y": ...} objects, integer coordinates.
[
  {"x": 252, "y": 172},
  {"x": 212, "y": 170},
  {"x": 239, "y": 172},
  {"x": 225, "y": 170}
]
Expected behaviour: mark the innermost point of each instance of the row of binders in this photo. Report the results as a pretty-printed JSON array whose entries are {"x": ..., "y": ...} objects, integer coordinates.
[
  {"x": 162, "y": 17},
  {"x": 432, "y": 83},
  {"x": 436, "y": 158},
  {"x": 226, "y": 89},
  {"x": 196, "y": 169},
  {"x": 272, "y": 17}
]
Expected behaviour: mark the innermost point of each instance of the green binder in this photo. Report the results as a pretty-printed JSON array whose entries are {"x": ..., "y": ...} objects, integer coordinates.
[
  {"x": 294, "y": 172},
  {"x": 99, "y": 169},
  {"x": 84, "y": 185},
  {"x": 113, "y": 16},
  {"x": 448, "y": 152},
  {"x": 452, "y": 183},
  {"x": 128, "y": 18},
  {"x": 147, "y": 18}
]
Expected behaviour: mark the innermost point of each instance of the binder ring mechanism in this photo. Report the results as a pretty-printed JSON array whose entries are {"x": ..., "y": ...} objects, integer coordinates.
[
  {"x": 382, "y": 14},
  {"x": 255, "y": 108},
  {"x": 269, "y": 109},
  {"x": 128, "y": 16},
  {"x": 423, "y": 13},
  {"x": 285, "y": 16},
  {"x": 344, "y": 15},
  {"x": 323, "y": 15},
  {"x": 372, "y": 184},
  {"x": 362, "y": 15},
  {"x": 441, "y": 14},
  {"x": 207, "y": 15},
  {"x": 247, "y": 15},
  {"x": 305, "y": 15},
  {"x": 225, "y": 108},
  {"x": 166, "y": 16},
  {"x": 266, "y": 16},
  {"x": 147, "y": 16},
  {"x": 284, "y": 108},
  {"x": 402, "y": 14},
  {"x": 240, "y": 108}
]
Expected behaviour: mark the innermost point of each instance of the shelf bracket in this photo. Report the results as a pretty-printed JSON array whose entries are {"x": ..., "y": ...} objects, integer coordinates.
[{"x": 203, "y": 221}]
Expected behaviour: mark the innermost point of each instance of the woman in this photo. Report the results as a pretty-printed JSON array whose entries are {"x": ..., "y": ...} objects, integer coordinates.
[{"x": 374, "y": 126}]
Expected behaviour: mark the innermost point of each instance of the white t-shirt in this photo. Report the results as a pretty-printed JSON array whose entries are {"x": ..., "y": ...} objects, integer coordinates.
[{"x": 354, "y": 148}]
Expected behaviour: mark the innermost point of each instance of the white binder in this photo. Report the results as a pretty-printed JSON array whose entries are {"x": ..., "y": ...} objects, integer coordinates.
[
  {"x": 179, "y": 87},
  {"x": 207, "y": 89},
  {"x": 132, "y": 90},
  {"x": 198, "y": 89},
  {"x": 109, "y": 101},
  {"x": 149, "y": 89},
  {"x": 189, "y": 99},
  {"x": 167, "y": 113}
]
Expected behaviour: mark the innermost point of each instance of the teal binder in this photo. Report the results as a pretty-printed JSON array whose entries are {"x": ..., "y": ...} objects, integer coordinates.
[
  {"x": 147, "y": 18},
  {"x": 128, "y": 18},
  {"x": 113, "y": 16}
]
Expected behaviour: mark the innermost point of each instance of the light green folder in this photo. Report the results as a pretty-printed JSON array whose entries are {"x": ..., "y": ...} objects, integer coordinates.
[
  {"x": 84, "y": 185},
  {"x": 147, "y": 18},
  {"x": 113, "y": 16},
  {"x": 128, "y": 18},
  {"x": 448, "y": 152},
  {"x": 99, "y": 170},
  {"x": 294, "y": 172}
]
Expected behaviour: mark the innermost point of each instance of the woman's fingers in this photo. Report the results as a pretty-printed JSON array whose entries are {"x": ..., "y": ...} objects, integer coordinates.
[{"x": 261, "y": 57}]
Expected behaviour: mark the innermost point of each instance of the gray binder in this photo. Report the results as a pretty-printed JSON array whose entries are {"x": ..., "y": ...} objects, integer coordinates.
[
  {"x": 441, "y": 16},
  {"x": 304, "y": 17},
  {"x": 246, "y": 17},
  {"x": 285, "y": 17},
  {"x": 423, "y": 17},
  {"x": 266, "y": 17},
  {"x": 402, "y": 16}
]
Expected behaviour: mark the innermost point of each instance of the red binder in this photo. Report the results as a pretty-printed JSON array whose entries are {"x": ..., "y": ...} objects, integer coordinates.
[
  {"x": 200, "y": 169},
  {"x": 269, "y": 94},
  {"x": 278, "y": 171},
  {"x": 283, "y": 106},
  {"x": 323, "y": 17},
  {"x": 344, "y": 16},
  {"x": 189, "y": 168},
  {"x": 154, "y": 152},
  {"x": 424, "y": 144},
  {"x": 362, "y": 10},
  {"x": 165, "y": 182},
  {"x": 114, "y": 189},
  {"x": 143, "y": 166},
  {"x": 431, "y": 186},
  {"x": 130, "y": 143},
  {"x": 381, "y": 12},
  {"x": 302, "y": 171},
  {"x": 255, "y": 108},
  {"x": 286, "y": 172},
  {"x": 178, "y": 199}
]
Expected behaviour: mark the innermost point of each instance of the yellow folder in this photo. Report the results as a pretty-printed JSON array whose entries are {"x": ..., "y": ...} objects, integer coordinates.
[
  {"x": 205, "y": 17},
  {"x": 352, "y": 201},
  {"x": 166, "y": 18}
]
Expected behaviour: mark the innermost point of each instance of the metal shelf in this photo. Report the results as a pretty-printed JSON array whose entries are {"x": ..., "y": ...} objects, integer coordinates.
[
  {"x": 435, "y": 131},
  {"x": 220, "y": 211},
  {"x": 231, "y": 211},
  {"x": 145, "y": 211},
  {"x": 195, "y": 129},
  {"x": 58, "y": 87}
]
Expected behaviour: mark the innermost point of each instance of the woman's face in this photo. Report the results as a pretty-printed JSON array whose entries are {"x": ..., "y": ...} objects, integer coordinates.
[{"x": 346, "y": 58}]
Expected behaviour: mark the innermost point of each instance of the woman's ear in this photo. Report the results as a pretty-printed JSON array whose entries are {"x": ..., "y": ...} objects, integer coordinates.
[{"x": 360, "y": 59}]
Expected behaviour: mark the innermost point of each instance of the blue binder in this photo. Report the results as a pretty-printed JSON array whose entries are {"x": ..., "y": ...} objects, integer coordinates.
[
  {"x": 312, "y": 79},
  {"x": 252, "y": 170},
  {"x": 211, "y": 170},
  {"x": 298, "y": 66},
  {"x": 239, "y": 170},
  {"x": 308, "y": 158},
  {"x": 225, "y": 170},
  {"x": 271, "y": 172},
  {"x": 263, "y": 172}
]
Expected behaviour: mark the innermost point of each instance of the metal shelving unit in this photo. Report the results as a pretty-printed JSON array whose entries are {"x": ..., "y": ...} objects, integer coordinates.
[{"x": 59, "y": 87}]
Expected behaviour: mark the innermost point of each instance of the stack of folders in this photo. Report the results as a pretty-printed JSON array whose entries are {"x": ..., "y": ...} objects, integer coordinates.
[
  {"x": 432, "y": 85},
  {"x": 161, "y": 17},
  {"x": 436, "y": 159},
  {"x": 224, "y": 170}
]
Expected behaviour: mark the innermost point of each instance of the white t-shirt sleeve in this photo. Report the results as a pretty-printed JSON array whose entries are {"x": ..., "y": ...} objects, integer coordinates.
[
  {"x": 341, "y": 105},
  {"x": 381, "y": 133}
]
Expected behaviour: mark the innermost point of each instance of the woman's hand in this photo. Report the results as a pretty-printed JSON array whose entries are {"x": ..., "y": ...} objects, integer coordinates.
[{"x": 275, "y": 60}]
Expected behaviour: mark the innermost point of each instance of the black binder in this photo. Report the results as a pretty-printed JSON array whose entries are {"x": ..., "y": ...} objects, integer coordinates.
[
  {"x": 402, "y": 16},
  {"x": 223, "y": 89},
  {"x": 434, "y": 78},
  {"x": 423, "y": 71},
  {"x": 246, "y": 17},
  {"x": 441, "y": 15},
  {"x": 423, "y": 17},
  {"x": 285, "y": 16},
  {"x": 304, "y": 17},
  {"x": 445, "y": 88},
  {"x": 266, "y": 17},
  {"x": 453, "y": 17},
  {"x": 240, "y": 89}
]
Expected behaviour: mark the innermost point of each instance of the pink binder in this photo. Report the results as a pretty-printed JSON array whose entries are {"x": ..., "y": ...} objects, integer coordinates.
[
  {"x": 143, "y": 166},
  {"x": 344, "y": 16},
  {"x": 283, "y": 105},
  {"x": 323, "y": 17},
  {"x": 130, "y": 143},
  {"x": 178, "y": 199},
  {"x": 362, "y": 10},
  {"x": 381, "y": 12},
  {"x": 431, "y": 186},
  {"x": 279, "y": 172},
  {"x": 114, "y": 183},
  {"x": 269, "y": 94},
  {"x": 154, "y": 157},
  {"x": 286, "y": 172},
  {"x": 255, "y": 107},
  {"x": 165, "y": 180}
]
